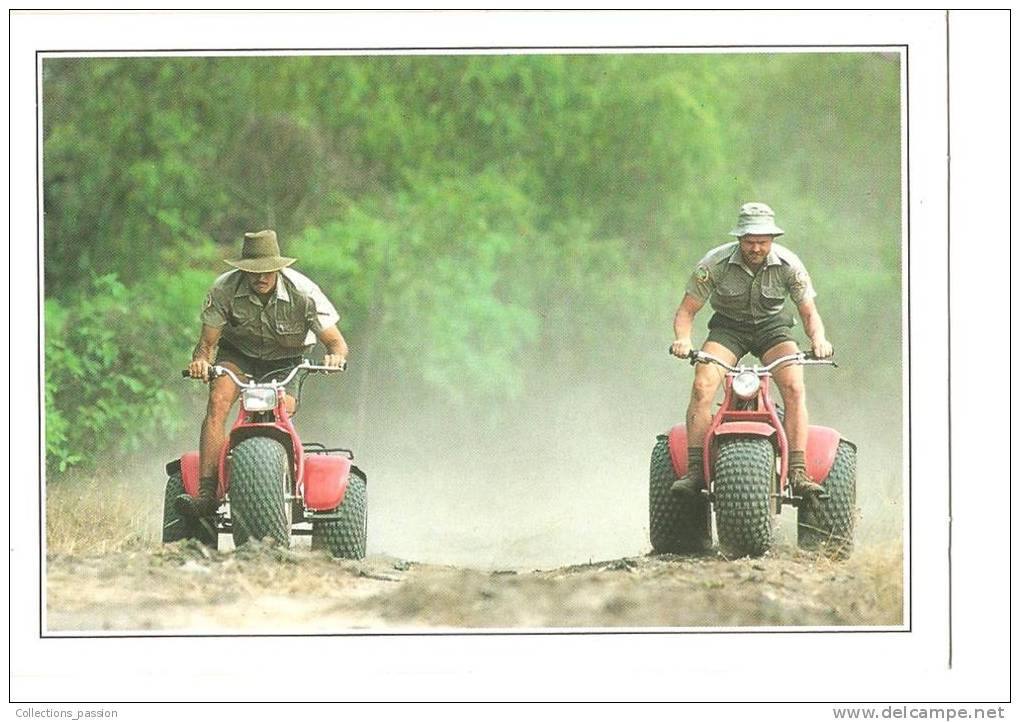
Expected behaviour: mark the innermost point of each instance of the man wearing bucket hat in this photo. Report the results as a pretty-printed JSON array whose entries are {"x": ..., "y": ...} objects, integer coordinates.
[
  {"x": 260, "y": 317},
  {"x": 747, "y": 282}
]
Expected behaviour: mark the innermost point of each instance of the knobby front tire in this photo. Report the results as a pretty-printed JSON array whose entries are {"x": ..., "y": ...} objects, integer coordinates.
[
  {"x": 745, "y": 469},
  {"x": 259, "y": 471}
]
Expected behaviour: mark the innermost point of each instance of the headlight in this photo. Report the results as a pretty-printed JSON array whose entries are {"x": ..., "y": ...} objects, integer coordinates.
[
  {"x": 746, "y": 384},
  {"x": 259, "y": 399}
]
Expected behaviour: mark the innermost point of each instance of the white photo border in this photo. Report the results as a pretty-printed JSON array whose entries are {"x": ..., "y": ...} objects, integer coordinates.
[{"x": 894, "y": 666}]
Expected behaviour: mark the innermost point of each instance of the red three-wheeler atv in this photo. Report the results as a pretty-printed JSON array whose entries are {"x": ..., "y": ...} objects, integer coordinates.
[
  {"x": 272, "y": 483},
  {"x": 745, "y": 471}
]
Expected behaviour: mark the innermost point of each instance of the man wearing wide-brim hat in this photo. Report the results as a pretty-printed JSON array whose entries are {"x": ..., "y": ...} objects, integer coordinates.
[
  {"x": 747, "y": 282},
  {"x": 261, "y": 317}
]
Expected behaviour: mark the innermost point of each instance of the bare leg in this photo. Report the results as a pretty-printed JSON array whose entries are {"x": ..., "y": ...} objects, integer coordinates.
[
  {"x": 223, "y": 392},
  {"x": 707, "y": 378},
  {"x": 790, "y": 380}
]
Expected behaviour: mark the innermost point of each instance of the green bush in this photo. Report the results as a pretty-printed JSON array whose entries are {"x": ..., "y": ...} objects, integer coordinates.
[{"x": 110, "y": 358}]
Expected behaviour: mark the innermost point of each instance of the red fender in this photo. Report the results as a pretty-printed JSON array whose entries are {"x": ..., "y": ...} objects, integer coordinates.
[
  {"x": 746, "y": 428},
  {"x": 678, "y": 449},
  {"x": 678, "y": 439},
  {"x": 187, "y": 465},
  {"x": 325, "y": 481},
  {"x": 821, "y": 451}
]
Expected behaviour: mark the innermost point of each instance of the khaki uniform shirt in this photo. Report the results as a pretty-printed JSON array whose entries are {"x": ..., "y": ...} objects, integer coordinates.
[
  {"x": 735, "y": 291},
  {"x": 284, "y": 327}
]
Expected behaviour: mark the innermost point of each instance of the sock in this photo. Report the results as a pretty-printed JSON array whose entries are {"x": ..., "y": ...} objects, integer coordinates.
[
  {"x": 695, "y": 470},
  {"x": 796, "y": 463}
]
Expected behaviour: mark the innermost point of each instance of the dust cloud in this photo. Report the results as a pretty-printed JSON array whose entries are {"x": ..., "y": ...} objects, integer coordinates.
[
  {"x": 557, "y": 476},
  {"x": 562, "y": 478}
]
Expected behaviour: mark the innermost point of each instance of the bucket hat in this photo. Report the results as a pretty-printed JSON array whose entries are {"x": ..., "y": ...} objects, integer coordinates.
[
  {"x": 260, "y": 254},
  {"x": 756, "y": 219}
]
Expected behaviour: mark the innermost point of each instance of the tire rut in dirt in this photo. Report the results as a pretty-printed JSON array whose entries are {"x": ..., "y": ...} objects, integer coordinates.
[
  {"x": 177, "y": 526},
  {"x": 744, "y": 475},
  {"x": 676, "y": 523},
  {"x": 347, "y": 536},
  {"x": 258, "y": 484},
  {"x": 827, "y": 525}
]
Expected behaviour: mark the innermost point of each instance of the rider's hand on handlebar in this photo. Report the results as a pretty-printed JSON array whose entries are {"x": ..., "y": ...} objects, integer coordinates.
[
  {"x": 681, "y": 348},
  {"x": 821, "y": 349},
  {"x": 334, "y": 361},
  {"x": 199, "y": 369}
]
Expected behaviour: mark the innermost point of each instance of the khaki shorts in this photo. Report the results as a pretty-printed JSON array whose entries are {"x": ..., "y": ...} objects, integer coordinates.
[
  {"x": 254, "y": 367},
  {"x": 755, "y": 338}
]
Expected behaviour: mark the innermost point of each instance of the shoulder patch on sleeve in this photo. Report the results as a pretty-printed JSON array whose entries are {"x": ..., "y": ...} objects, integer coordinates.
[
  {"x": 208, "y": 301},
  {"x": 701, "y": 273}
]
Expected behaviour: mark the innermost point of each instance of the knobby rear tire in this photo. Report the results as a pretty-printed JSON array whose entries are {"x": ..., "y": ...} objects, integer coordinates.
[
  {"x": 677, "y": 523},
  {"x": 827, "y": 525},
  {"x": 346, "y": 537},
  {"x": 177, "y": 526}
]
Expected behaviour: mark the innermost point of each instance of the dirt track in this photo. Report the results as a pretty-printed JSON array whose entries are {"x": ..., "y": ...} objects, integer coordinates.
[{"x": 185, "y": 588}]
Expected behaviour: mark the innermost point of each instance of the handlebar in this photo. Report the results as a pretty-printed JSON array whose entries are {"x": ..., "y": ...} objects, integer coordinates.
[
  {"x": 804, "y": 358},
  {"x": 217, "y": 371}
]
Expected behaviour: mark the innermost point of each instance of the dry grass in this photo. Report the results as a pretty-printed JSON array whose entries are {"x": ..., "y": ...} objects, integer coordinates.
[
  {"x": 882, "y": 568},
  {"x": 872, "y": 589},
  {"x": 108, "y": 569},
  {"x": 98, "y": 516}
]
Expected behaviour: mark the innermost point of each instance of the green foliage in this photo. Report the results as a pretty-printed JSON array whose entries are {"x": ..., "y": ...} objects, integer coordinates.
[
  {"x": 482, "y": 222},
  {"x": 451, "y": 320},
  {"x": 105, "y": 390}
]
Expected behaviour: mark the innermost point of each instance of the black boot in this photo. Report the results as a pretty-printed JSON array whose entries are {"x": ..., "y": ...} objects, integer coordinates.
[
  {"x": 205, "y": 504},
  {"x": 693, "y": 481},
  {"x": 803, "y": 485}
]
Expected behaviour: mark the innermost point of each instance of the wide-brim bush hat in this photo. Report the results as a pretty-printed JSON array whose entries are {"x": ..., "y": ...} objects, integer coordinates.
[
  {"x": 756, "y": 219},
  {"x": 260, "y": 254}
]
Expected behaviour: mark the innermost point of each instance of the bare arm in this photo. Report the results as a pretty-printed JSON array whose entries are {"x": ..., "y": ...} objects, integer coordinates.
[
  {"x": 682, "y": 323},
  {"x": 814, "y": 328},
  {"x": 336, "y": 346},
  {"x": 201, "y": 357}
]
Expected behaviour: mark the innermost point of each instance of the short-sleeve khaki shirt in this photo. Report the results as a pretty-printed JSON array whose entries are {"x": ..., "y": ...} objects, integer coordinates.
[
  {"x": 746, "y": 296},
  {"x": 285, "y": 326}
]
